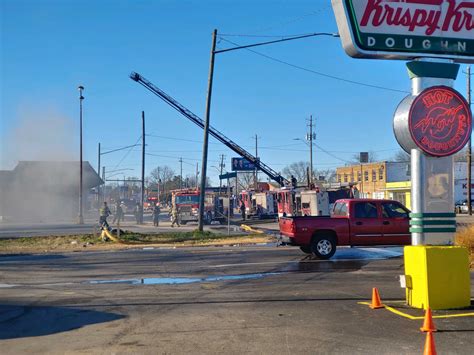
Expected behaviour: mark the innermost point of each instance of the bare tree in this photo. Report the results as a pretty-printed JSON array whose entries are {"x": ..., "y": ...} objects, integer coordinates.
[
  {"x": 328, "y": 175},
  {"x": 163, "y": 173},
  {"x": 355, "y": 159},
  {"x": 190, "y": 181},
  {"x": 298, "y": 170},
  {"x": 246, "y": 181},
  {"x": 401, "y": 156}
]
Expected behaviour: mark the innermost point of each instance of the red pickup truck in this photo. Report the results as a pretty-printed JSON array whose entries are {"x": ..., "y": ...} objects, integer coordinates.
[{"x": 353, "y": 222}]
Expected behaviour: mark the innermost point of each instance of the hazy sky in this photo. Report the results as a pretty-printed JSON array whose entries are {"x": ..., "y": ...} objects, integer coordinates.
[{"x": 49, "y": 47}]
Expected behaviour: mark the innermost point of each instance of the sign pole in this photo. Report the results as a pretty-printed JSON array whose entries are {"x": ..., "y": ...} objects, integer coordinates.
[
  {"x": 432, "y": 124},
  {"x": 228, "y": 207}
]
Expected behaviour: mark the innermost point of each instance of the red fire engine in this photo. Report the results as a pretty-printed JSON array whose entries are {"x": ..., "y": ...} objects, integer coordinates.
[{"x": 187, "y": 202}]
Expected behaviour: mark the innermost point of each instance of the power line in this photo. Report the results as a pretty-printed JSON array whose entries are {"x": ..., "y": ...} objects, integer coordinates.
[
  {"x": 316, "y": 72},
  {"x": 263, "y": 36},
  {"x": 179, "y": 139},
  {"x": 176, "y": 157},
  {"x": 330, "y": 154},
  {"x": 270, "y": 147},
  {"x": 294, "y": 19},
  {"x": 127, "y": 153}
]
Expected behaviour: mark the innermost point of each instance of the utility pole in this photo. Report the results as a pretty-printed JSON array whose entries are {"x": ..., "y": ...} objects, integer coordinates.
[
  {"x": 310, "y": 150},
  {"x": 221, "y": 165},
  {"x": 98, "y": 173},
  {"x": 103, "y": 179},
  {"x": 469, "y": 177},
  {"x": 143, "y": 167},
  {"x": 81, "y": 98},
  {"x": 181, "y": 173},
  {"x": 206, "y": 134},
  {"x": 197, "y": 175},
  {"x": 256, "y": 167}
]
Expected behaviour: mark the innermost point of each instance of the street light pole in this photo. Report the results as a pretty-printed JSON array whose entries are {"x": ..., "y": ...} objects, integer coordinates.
[
  {"x": 143, "y": 168},
  {"x": 98, "y": 173},
  {"x": 206, "y": 134},
  {"x": 81, "y": 218},
  {"x": 310, "y": 150}
]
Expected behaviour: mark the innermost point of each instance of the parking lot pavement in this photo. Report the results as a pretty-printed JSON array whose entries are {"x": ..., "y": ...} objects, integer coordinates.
[{"x": 212, "y": 300}]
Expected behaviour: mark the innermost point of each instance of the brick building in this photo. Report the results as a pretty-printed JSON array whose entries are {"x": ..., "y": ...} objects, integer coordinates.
[{"x": 371, "y": 178}]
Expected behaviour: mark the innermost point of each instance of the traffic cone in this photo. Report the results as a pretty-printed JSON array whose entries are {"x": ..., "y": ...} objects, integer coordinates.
[
  {"x": 428, "y": 325},
  {"x": 376, "y": 303},
  {"x": 430, "y": 348}
]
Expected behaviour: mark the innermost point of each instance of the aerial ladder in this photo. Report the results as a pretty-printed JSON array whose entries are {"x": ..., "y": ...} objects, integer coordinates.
[{"x": 214, "y": 132}]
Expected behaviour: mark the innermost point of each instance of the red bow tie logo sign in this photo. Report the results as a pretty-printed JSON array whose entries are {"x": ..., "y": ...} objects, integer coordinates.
[{"x": 440, "y": 121}]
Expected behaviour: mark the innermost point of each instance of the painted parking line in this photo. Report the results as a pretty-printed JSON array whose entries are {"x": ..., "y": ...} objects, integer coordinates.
[{"x": 409, "y": 316}]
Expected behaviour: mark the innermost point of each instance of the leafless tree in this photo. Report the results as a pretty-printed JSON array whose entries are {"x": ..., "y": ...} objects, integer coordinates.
[
  {"x": 401, "y": 156},
  {"x": 298, "y": 170},
  {"x": 163, "y": 173},
  {"x": 373, "y": 157},
  {"x": 190, "y": 181},
  {"x": 246, "y": 181}
]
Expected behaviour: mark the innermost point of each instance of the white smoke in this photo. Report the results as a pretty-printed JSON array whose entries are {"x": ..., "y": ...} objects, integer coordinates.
[
  {"x": 39, "y": 134},
  {"x": 43, "y": 192}
]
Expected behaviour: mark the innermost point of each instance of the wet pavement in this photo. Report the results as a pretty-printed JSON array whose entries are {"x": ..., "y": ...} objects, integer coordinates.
[{"x": 212, "y": 300}]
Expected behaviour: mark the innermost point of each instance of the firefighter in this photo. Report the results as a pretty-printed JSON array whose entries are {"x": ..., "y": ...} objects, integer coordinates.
[
  {"x": 104, "y": 212},
  {"x": 242, "y": 209},
  {"x": 137, "y": 213},
  {"x": 294, "y": 182},
  {"x": 175, "y": 216},
  {"x": 118, "y": 216},
  {"x": 156, "y": 215}
]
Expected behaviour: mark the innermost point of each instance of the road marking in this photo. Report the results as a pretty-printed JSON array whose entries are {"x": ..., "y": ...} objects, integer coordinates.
[
  {"x": 6, "y": 285},
  {"x": 261, "y": 263},
  {"x": 409, "y": 316}
]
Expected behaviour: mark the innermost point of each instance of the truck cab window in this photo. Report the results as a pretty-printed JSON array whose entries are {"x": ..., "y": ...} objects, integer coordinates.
[
  {"x": 340, "y": 209},
  {"x": 393, "y": 210},
  {"x": 343, "y": 210},
  {"x": 365, "y": 210}
]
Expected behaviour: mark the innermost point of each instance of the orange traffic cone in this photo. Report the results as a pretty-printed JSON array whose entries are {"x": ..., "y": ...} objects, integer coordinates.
[
  {"x": 430, "y": 348},
  {"x": 376, "y": 303},
  {"x": 428, "y": 325}
]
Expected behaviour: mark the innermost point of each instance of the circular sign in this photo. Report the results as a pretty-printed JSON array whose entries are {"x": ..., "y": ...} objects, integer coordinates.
[{"x": 439, "y": 121}]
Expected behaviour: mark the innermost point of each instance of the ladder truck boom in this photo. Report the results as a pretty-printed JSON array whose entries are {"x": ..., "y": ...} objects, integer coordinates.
[{"x": 214, "y": 132}]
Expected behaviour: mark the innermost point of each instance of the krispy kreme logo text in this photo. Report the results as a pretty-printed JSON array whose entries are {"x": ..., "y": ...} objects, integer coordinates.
[
  {"x": 428, "y": 15},
  {"x": 399, "y": 29},
  {"x": 440, "y": 121}
]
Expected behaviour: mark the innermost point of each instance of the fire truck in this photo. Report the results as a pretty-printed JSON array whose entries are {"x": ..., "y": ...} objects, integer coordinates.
[
  {"x": 187, "y": 201},
  {"x": 309, "y": 202},
  {"x": 259, "y": 204}
]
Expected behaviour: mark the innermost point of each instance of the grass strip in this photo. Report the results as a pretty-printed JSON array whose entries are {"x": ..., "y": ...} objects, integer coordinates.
[{"x": 75, "y": 242}]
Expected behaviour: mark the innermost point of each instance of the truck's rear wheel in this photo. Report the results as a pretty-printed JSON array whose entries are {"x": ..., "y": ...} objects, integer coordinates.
[
  {"x": 305, "y": 249},
  {"x": 323, "y": 247}
]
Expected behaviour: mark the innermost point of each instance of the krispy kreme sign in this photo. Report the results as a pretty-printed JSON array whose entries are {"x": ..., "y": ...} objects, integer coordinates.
[{"x": 406, "y": 29}]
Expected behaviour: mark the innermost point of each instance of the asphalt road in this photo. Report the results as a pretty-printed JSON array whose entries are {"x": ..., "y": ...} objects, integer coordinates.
[{"x": 231, "y": 300}]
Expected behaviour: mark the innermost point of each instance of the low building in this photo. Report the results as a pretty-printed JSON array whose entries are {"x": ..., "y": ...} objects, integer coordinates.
[
  {"x": 399, "y": 191},
  {"x": 391, "y": 180},
  {"x": 45, "y": 191},
  {"x": 371, "y": 178}
]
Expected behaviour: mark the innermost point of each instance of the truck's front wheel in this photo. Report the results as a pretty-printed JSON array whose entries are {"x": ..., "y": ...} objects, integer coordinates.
[{"x": 323, "y": 247}]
